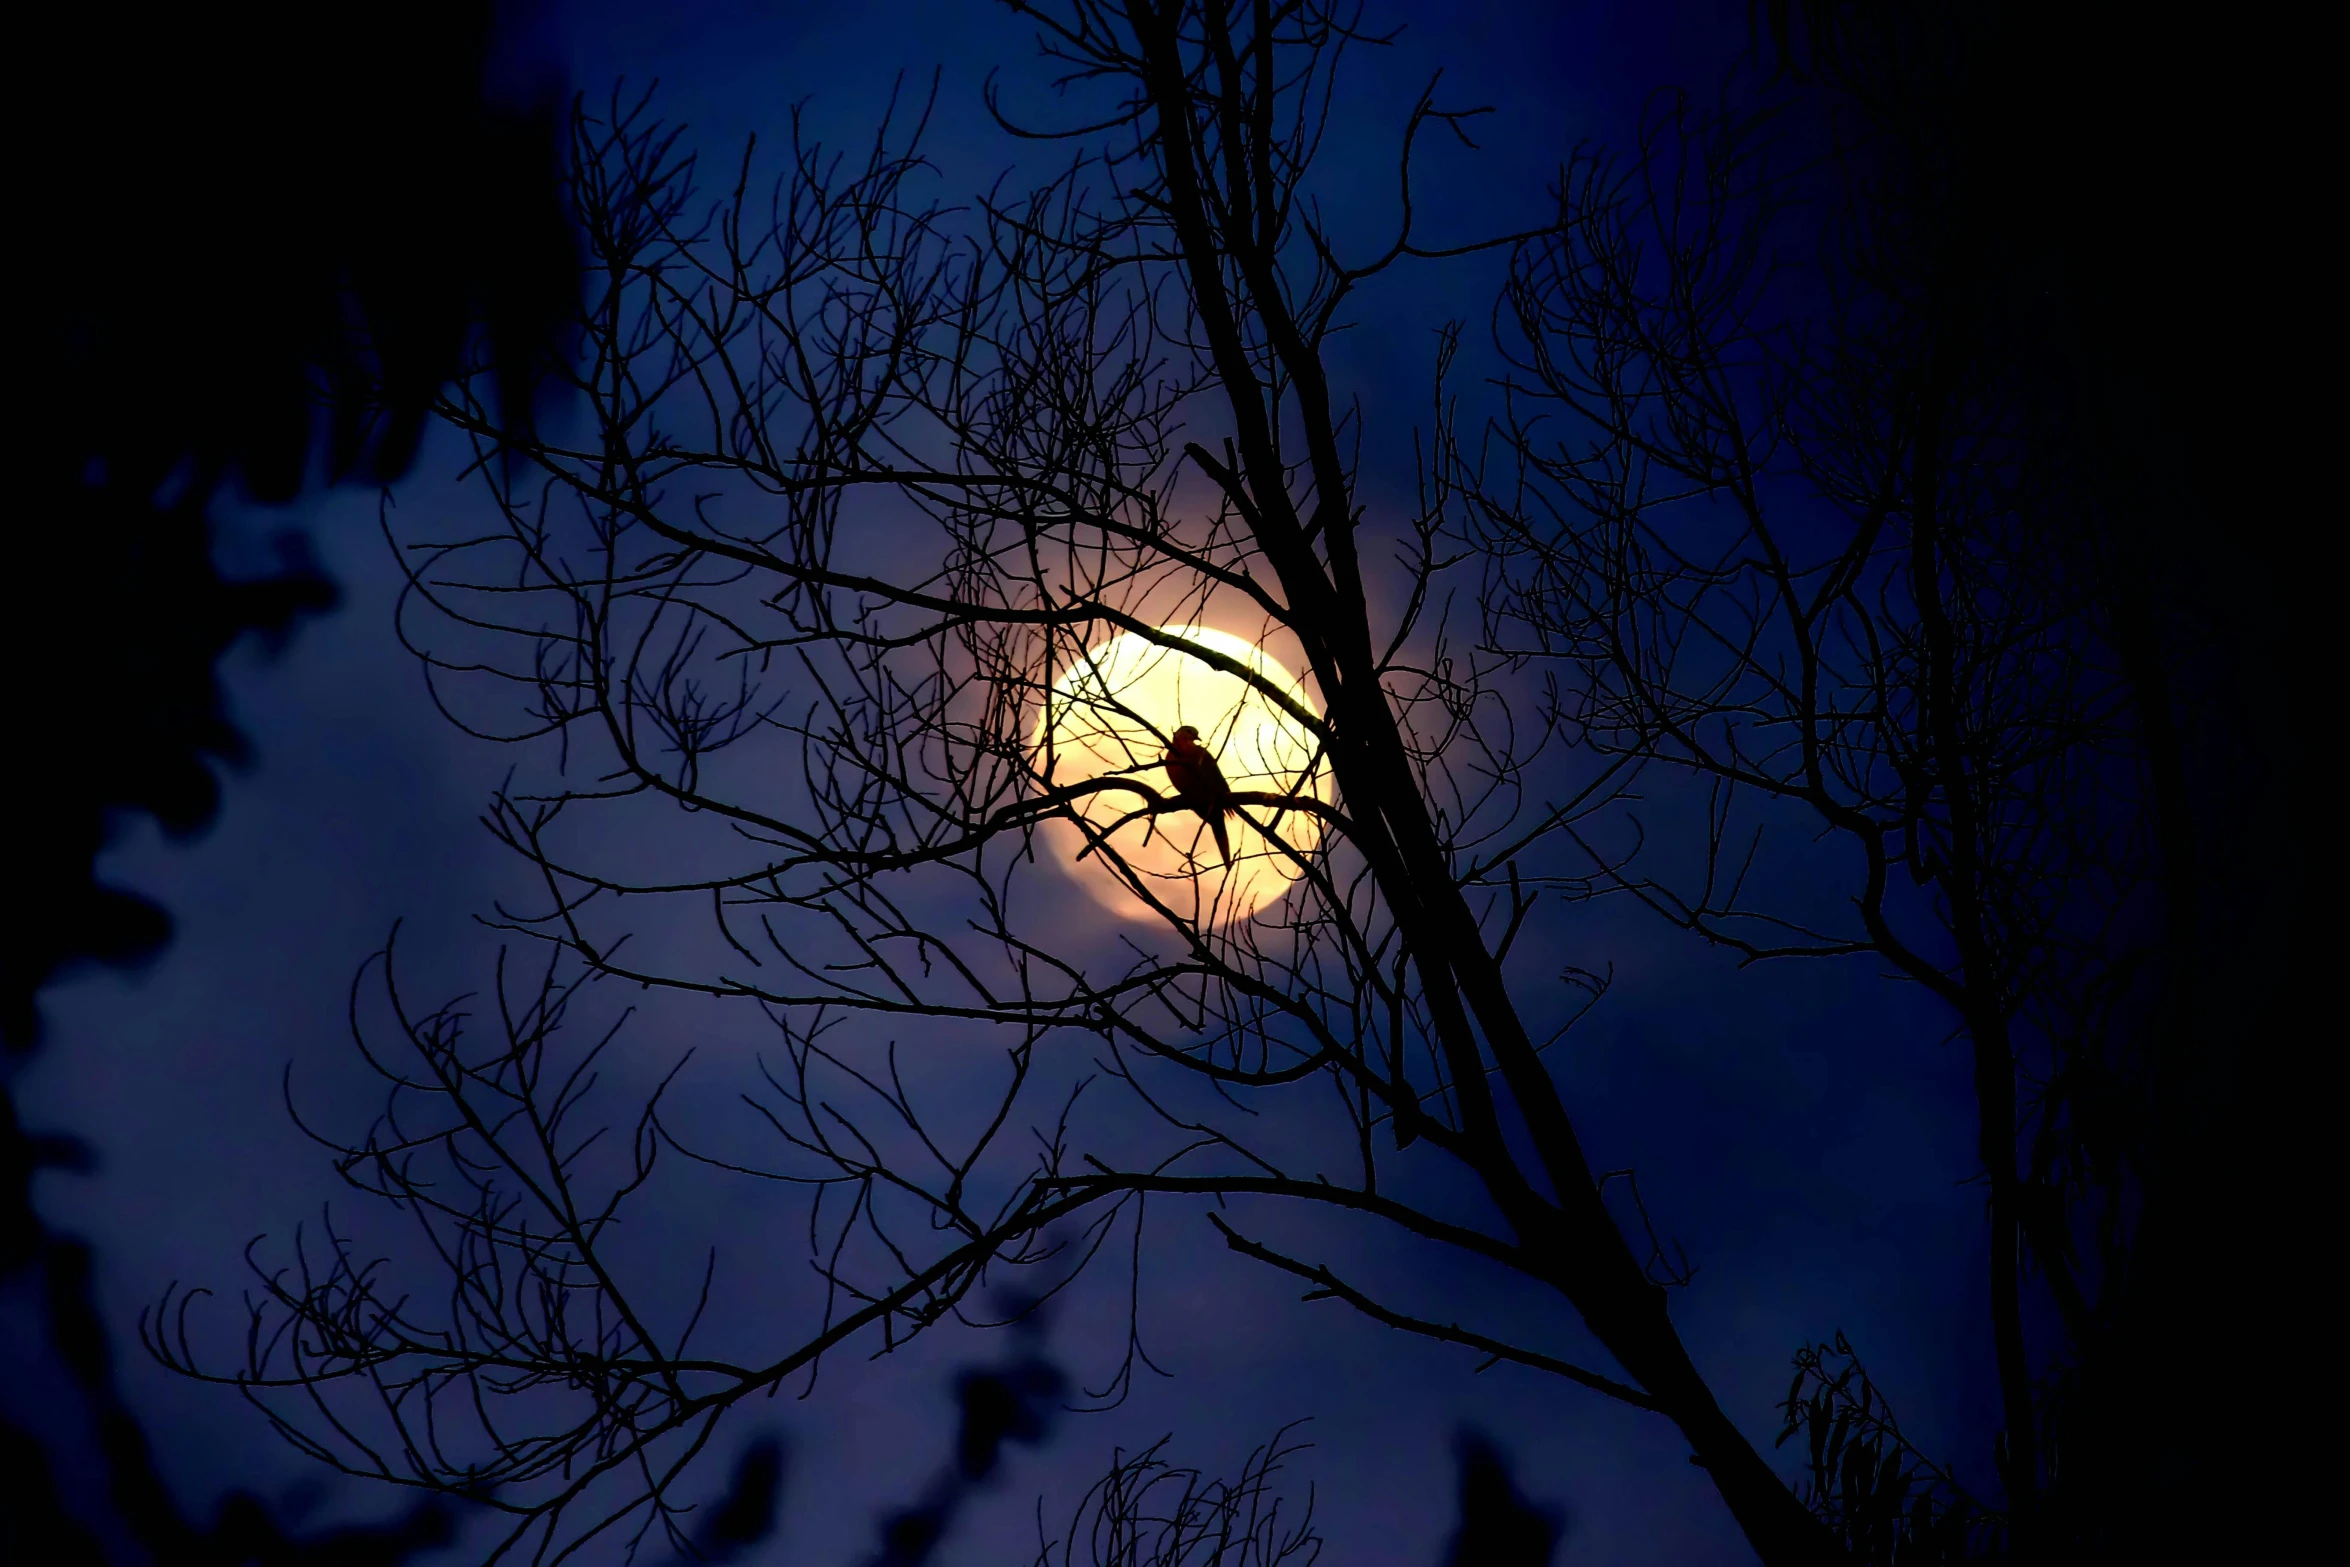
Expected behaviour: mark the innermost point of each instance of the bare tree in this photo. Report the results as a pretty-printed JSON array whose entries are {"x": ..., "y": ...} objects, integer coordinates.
[
  {"x": 1780, "y": 488},
  {"x": 789, "y": 632}
]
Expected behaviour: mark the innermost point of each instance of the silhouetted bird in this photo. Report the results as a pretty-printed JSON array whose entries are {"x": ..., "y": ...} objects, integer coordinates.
[{"x": 1200, "y": 784}]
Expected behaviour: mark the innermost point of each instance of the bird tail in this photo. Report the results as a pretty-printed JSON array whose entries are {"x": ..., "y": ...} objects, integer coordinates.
[{"x": 1223, "y": 838}]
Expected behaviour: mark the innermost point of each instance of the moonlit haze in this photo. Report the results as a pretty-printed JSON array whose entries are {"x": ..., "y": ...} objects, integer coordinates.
[{"x": 1113, "y": 714}]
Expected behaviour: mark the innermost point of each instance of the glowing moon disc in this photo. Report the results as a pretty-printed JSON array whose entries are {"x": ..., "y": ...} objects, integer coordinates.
[{"x": 1112, "y": 715}]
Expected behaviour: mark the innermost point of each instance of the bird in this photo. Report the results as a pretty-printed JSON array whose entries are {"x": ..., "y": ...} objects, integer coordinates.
[{"x": 1200, "y": 784}]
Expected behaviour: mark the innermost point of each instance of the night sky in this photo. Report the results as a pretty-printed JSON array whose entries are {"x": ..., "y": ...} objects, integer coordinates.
[{"x": 1804, "y": 1130}]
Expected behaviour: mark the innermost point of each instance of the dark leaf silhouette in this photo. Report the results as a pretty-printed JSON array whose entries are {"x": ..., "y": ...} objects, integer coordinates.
[
  {"x": 1499, "y": 1527},
  {"x": 996, "y": 1407},
  {"x": 747, "y": 1513},
  {"x": 1015, "y": 1404}
]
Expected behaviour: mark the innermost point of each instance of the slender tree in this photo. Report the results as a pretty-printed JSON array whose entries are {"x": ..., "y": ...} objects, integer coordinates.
[{"x": 1785, "y": 486}]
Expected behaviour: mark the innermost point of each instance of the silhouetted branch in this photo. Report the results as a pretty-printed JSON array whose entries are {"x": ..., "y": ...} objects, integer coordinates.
[
  {"x": 1798, "y": 526},
  {"x": 1329, "y": 1285}
]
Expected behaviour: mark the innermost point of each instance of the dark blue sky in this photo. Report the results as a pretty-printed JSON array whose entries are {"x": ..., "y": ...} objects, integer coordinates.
[{"x": 1804, "y": 1131}]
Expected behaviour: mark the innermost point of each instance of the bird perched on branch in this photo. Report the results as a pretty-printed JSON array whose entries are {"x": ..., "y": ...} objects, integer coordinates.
[{"x": 1200, "y": 784}]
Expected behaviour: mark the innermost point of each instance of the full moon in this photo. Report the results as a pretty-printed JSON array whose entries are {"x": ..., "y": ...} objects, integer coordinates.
[{"x": 1113, "y": 715}]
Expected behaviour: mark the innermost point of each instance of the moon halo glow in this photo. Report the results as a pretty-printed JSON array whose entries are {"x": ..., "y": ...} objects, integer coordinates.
[{"x": 1113, "y": 713}]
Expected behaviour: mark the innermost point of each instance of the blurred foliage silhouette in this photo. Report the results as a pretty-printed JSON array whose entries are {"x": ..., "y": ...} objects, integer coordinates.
[
  {"x": 264, "y": 236},
  {"x": 996, "y": 1407},
  {"x": 747, "y": 1514},
  {"x": 1499, "y": 1527}
]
